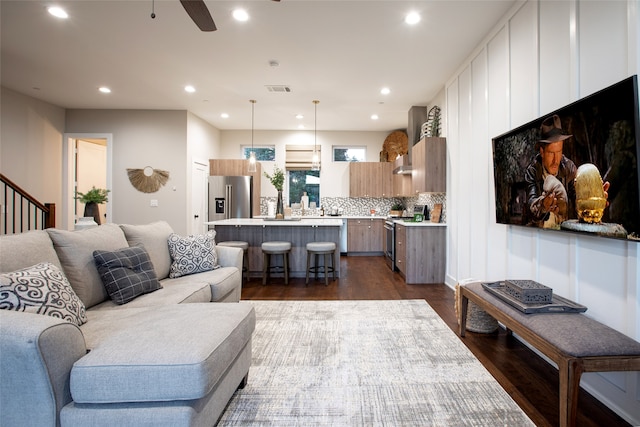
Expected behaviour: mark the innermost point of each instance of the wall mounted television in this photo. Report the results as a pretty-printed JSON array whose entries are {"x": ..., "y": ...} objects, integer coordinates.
[{"x": 602, "y": 129}]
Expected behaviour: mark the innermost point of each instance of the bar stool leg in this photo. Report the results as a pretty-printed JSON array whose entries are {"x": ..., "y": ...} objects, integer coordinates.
[
  {"x": 306, "y": 282},
  {"x": 285, "y": 258},
  {"x": 326, "y": 272},
  {"x": 333, "y": 266},
  {"x": 265, "y": 268}
]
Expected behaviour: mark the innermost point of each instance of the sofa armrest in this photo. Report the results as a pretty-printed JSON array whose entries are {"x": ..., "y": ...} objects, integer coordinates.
[
  {"x": 38, "y": 353},
  {"x": 229, "y": 256}
]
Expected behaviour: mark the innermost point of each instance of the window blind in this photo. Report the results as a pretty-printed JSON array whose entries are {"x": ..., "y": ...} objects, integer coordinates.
[{"x": 299, "y": 157}]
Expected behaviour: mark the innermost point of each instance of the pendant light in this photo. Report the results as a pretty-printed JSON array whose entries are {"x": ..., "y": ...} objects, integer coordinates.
[
  {"x": 315, "y": 160},
  {"x": 252, "y": 154}
]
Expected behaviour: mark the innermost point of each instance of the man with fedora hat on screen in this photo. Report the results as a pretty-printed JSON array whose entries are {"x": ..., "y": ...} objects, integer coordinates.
[{"x": 550, "y": 206}]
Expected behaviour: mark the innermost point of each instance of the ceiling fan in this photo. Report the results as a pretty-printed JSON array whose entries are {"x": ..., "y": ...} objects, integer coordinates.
[{"x": 199, "y": 13}]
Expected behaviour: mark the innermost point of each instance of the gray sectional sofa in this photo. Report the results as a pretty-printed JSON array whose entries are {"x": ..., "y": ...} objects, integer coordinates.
[{"x": 169, "y": 357}]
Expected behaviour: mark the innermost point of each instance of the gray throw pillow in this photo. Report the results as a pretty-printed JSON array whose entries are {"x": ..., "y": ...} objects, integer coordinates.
[
  {"x": 192, "y": 254},
  {"x": 126, "y": 273},
  {"x": 41, "y": 289}
]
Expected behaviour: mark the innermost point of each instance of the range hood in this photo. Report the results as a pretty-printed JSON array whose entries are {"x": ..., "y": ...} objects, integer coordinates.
[{"x": 402, "y": 166}]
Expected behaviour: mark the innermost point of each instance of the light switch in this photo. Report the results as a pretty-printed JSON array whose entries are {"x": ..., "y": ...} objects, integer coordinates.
[{"x": 154, "y": 203}]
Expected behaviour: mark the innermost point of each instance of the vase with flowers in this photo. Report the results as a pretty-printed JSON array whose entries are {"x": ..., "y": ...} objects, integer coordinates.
[{"x": 277, "y": 180}]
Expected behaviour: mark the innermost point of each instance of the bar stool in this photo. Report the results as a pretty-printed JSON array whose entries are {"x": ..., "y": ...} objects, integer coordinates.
[
  {"x": 245, "y": 251},
  {"x": 315, "y": 249},
  {"x": 275, "y": 248}
]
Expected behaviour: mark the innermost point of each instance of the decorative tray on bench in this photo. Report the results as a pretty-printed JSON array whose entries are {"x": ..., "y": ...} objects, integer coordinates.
[{"x": 558, "y": 304}]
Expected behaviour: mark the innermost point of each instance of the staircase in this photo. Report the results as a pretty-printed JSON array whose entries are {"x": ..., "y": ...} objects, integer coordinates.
[{"x": 21, "y": 212}]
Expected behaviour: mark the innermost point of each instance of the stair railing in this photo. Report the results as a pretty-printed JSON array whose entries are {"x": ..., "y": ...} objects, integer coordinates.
[{"x": 22, "y": 212}]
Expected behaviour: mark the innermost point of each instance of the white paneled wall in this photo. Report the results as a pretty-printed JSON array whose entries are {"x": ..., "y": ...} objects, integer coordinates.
[{"x": 542, "y": 56}]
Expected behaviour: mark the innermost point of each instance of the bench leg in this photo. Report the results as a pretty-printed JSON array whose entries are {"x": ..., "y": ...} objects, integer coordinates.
[
  {"x": 463, "y": 303},
  {"x": 570, "y": 371}
]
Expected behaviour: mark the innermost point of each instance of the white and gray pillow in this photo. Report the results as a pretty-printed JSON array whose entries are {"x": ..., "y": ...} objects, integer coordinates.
[
  {"x": 41, "y": 289},
  {"x": 126, "y": 273},
  {"x": 192, "y": 254}
]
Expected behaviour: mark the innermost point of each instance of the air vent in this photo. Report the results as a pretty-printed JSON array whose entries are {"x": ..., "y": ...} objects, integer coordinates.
[{"x": 278, "y": 88}]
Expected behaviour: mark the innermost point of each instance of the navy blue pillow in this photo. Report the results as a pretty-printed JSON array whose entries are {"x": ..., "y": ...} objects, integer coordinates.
[{"x": 126, "y": 273}]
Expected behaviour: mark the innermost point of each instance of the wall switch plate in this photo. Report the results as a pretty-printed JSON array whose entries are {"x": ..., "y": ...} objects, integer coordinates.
[{"x": 154, "y": 203}]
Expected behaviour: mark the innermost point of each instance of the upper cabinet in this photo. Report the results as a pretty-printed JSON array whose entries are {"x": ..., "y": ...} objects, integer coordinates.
[
  {"x": 429, "y": 166},
  {"x": 370, "y": 179}
]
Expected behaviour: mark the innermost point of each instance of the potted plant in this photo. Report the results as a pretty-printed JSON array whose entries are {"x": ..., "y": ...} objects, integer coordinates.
[
  {"x": 396, "y": 209},
  {"x": 91, "y": 200},
  {"x": 277, "y": 180}
]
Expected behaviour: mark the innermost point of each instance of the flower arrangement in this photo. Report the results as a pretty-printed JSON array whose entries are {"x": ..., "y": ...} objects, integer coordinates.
[
  {"x": 277, "y": 179},
  {"x": 95, "y": 195}
]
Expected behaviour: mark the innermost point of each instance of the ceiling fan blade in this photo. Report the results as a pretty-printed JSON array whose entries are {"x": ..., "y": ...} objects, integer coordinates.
[{"x": 198, "y": 11}]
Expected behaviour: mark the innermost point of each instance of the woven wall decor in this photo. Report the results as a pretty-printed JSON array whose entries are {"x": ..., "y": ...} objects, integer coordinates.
[
  {"x": 148, "y": 179},
  {"x": 394, "y": 145}
]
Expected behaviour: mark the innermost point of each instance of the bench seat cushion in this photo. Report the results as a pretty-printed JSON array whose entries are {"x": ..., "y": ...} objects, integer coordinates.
[
  {"x": 149, "y": 354},
  {"x": 575, "y": 334}
]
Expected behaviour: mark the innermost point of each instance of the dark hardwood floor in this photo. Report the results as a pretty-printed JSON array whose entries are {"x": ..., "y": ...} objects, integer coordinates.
[{"x": 530, "y": 381}]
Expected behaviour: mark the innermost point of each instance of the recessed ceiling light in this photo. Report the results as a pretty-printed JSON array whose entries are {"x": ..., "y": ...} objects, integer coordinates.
[
  {"x": 240, "y": 15},
  {"x": 104, "y": 89},
  {"x": 374, "y": 117},
  {"x": 189, "y": 89},
  {"x": 58, "y": 12},
  {"x": 412, "y": 18},
  {"x": 224, "y": 115},
  {"x": 385, "y": 91},
  {"x": 299, "y": 116}
]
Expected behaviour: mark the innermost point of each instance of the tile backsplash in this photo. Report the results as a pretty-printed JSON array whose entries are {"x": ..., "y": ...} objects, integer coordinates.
[{"x": 362, "y": 206}]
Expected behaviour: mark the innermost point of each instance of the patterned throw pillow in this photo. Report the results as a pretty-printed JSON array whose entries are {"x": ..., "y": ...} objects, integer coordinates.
[
  {"x": 41, "y": 289},
  {"x": 192, "y": 254},
  {"x": 126, "y": 273}
]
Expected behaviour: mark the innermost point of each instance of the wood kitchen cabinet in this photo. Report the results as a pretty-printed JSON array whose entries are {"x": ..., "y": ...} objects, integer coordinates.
[
  {"x": 365, "y": 235},
  {"x": 429, "y": 166},
  {"x": 370, "y": 179},
  {"x": 420, "y": 253},
  {"x": 239, "y": 167}
]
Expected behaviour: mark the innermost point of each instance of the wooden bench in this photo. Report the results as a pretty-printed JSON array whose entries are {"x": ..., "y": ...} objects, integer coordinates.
[{"x": 575, "y": 342}]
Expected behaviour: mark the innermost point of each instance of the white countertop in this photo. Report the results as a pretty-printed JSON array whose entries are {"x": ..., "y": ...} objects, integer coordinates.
[
  {"x": 420, "y": 224},
  {"x": 302, "y": 222}
]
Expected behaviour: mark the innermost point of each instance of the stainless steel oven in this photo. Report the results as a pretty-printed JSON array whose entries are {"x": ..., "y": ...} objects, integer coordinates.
[{"x": 390, "y": 243}]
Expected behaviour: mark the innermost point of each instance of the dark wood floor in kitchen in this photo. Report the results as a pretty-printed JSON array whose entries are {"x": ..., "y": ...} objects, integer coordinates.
[{"x": 530, "y": 381}]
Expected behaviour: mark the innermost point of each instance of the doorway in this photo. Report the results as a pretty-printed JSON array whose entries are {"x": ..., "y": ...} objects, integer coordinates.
[{"x": 87, "y": 163}]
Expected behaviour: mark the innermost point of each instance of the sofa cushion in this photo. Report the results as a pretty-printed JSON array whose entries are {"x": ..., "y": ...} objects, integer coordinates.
[
  {"x": 26, "y": 249},
  {"x": 178, "y": 352},
  {"x": 174, "y": 291},
  {"x": 192, "y": 254},
  {"x": 154, "y": 238},
  {"x": 126, "y": 273},
  {"x": 41, "y": 289},
  {"x": 75, "y": 250}
]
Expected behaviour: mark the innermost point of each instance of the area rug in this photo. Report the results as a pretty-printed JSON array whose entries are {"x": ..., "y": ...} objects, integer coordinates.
[{"x": 364, "y": 363}]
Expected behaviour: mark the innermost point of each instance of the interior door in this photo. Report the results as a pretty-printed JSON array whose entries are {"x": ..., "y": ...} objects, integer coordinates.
[
  {"x": 91, "y": 170},
  {"x": 199, "y": 198}
]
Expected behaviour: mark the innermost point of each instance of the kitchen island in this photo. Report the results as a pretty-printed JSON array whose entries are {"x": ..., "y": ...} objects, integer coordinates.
[{"x": 298, "y": 231}]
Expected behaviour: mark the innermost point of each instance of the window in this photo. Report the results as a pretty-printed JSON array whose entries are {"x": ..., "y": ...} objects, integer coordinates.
[
  {"x": 301, "y": 181},
  {"x": 349, "y": 154},
  {"x": 263, "y": 153}
]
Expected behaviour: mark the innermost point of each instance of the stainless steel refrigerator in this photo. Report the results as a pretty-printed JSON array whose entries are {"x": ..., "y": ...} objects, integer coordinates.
[{"x": 230, "y": 197}]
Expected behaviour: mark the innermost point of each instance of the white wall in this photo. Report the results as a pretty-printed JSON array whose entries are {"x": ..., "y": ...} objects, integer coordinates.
[
  {"x": 31, "y": 146},
  {"x": 542, "y": 56},
  {"x": 164, "y": 140},
  {"x": 334, "y": 176}
]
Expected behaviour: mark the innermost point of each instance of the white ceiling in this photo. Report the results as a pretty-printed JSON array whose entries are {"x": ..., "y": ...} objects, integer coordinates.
[{"x": 339, "y": 52}]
